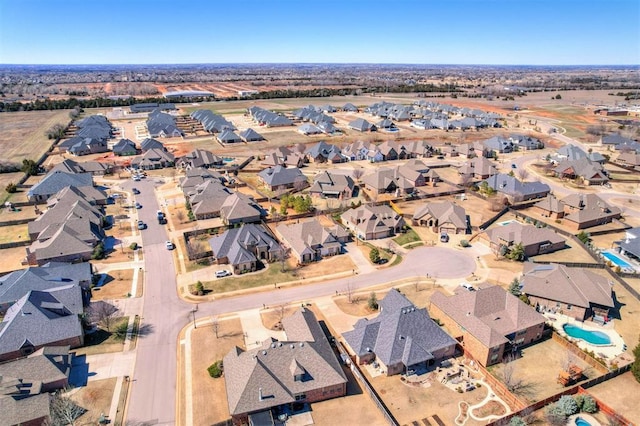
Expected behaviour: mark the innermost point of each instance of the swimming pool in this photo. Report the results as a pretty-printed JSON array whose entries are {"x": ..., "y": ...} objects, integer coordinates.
[
  {"x": 594, "y": 337},
  {"x": 582, "y": 422},
  {"x": 228, "y": 159},
  {"x": 506, "y": 222},
  {"x": 616, "y": 260}
]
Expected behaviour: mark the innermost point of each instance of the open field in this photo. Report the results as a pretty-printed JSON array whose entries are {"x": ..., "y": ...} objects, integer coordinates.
[
  {"x": 22, "y": 134},
  {"x": 14, "y": 234}
]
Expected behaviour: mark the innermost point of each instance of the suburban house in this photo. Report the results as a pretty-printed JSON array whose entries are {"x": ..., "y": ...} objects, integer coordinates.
[
  {"x": 402, "y": 338},
  {"x": 94, "y": 168},
  {"x": 71, "y": 241},
  {"x": 26, "y": 383},
  {"x": 239, "y": 208},
  {"x": 284, "y": 156},
  {"x": 575, "y": 292},
  {"x": 362, "y": 125},
  {"x": 196, "y": 176},
  {"x": 268, "y": 118},
  {"x": 69, "y": 208},
  {"x": 590, "y": 172},
  {"x": 243, "y": 247},
  {"x": 331, "y": 185},
  {"x": 534, "y": 240},
  {"x": 262, "y": 382},
  {"x": 160, "y": 124},
  {"x": 629, "y": 159},
  {"x": 151, "y": 106},
  {"x": 630, "y": 245},
  {"x": 497, "y": 145},
  {"x": 361, "y": 150},
  {"x": 90, "y": 194},
  {"x": 124, "y": 147},
  {"x": 323, "y": 152},
  {"x": 228, "y": 136},
  {"x": 149, "y": 143},
  {"x": 579, "y": 211},
  {"x": 309, "y": 241},
  {"x": 54, "y": 182},
  {"x": 212, "y": 123},
  {"x": 94, "y": 127},
  {"x": 491, "y": 323},
  {"x": 372, "y": 222},
  {"x": 42, "y": 318},
  {"x": 309, "y": 129},
  {"x": 400, "y": 180},
  {"x": 526, "y": 143},
  {"x": 348, "y": 107},
  {"x": 442, "y": 217},
  {"x": 515, "y": 190},
  {"x": 478, "y": 168},
  {"x": 199, "y": 158},
  {"x": 154, "y": 159},
  {"x": 250, "y": 135},
  {"x": 78, "y": 145},
  {"x": 574, "y": 153},
  {"x": 50, "y": 277},
  {"x": 615, "y": 139},
  {"x": 207, "y": 199},
  {"x": 279, "y": 178}
]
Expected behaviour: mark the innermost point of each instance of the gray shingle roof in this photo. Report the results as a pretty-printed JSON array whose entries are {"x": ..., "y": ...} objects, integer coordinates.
[
  {"x": 509, "y": 185},
  {"x": 275, "y": 373},
  {"x": 401, "y": 333},
  {"x": 238, "y": 244},
  {"x": 54, "y": 182},
  {"x": 444, "y": 212},
  {"x": 279, "y": 175}
]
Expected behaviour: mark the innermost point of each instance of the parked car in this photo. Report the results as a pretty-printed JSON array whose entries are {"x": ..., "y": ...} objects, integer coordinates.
[
  {"x": 382, "y": 261},
  {"x": 136, "y": 191},
  {"x": 444, "y": 237},
  {"x": 467, "y": 286},
  {"x": 169, "y": 245},
  {"x": 513, "y": 166},
  {"x": 138, "y": 205},
  {"x": 222, "y": 274},
  {"x": 141, "y": 225},
  {"x": 136, "y": 178}
]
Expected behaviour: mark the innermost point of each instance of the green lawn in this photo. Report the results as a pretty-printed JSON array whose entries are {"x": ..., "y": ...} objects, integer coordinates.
[
  {"x": 272, "y": 275},
  {"x": 408, "y": 237}
]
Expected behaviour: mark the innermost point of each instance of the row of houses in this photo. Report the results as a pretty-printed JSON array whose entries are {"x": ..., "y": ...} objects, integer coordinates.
[{"x": 91, "y": 136}]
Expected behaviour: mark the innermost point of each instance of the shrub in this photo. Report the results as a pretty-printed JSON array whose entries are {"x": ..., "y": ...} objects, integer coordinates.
[
  {"x": 586, "y": 403},
  {"x": 121, "y": 331},
  {"x": 517, "y": 421},
  {"x": 635, "y": 367},
  {"x": 555, "y": 415},
  {"x": 464, "y": 243},
  {"x": 374, "y": 255},
  {"x": 372, "y": 302},
  {"x": 215, "y": 370},
  {"x": 199, "y": 288},
  {"x": 568, "y": 405},
  {"x": 133, "y": 246},
  {"x": 11, "y": 188},
  {"x": 98, "y": 252}
]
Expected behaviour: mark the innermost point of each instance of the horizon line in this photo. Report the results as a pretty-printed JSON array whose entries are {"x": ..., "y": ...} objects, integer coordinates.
[{"x": 315, "y": 63}]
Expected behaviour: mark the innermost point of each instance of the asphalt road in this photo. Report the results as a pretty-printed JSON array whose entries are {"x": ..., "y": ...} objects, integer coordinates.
[{"x": 153, "y": 391}]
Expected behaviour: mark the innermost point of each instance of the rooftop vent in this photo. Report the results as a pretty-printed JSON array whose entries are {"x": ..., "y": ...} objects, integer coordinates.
[
  {"x": 301, "y": 344},
  {"x": 264, "y": 352},
  {"x": 293, "y": 346}
]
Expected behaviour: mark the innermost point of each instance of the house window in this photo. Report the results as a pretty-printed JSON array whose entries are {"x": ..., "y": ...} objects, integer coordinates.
[
  {"x": 494, "y": 357},
  {"x": 569, "y": 307},
  {"x": 301, "y": 397}
]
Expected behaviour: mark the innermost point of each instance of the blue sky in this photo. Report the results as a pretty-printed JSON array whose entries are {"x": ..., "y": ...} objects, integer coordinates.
[{"x": 559, "y": 32}]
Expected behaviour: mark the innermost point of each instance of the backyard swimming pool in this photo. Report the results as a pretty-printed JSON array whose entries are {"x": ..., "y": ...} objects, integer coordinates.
[
  {"x": 582, "y": 422},
  {"x": 593, "y": 337},
  {"x": 616, "y": 260},
  {"x": 506, "y": 222}
]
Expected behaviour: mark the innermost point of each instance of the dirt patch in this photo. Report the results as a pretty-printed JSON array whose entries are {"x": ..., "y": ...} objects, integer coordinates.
[
  {"x": 488, "y": 409},
  {"x": 95, "y": 397},
  {"x": 209, "y": 394},
  {"x": 625, "y": 402},
  {"x": 12, "y": 258}
]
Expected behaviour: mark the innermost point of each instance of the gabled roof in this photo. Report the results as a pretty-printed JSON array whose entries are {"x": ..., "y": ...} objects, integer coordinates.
[
  {"x": 149, "y": 144},
  {"x": 240, "y": 207},
  {"x": 575, "y": 286},
  {"x": 509, "y": 185},
  {"x": 55, "y": 181},
  {"x": 373, "y": 219},
  {"x": 71, "y": 166},
  {"x": 279, "y": 175},
  {"x": 236, "y": 244},
  {"x": 275, "y": 373},
  {"x": 401, "y": 333},
  {"x": 444, "y": 212},
  {"x": 331, "y": 183},
  {"x": 228, "y": 136},
  {"x": 515, "y": 233},
  {"x": 250, "y": 135},
  {"x": 589, "y": 207},
  {"x": 306, "y": 236},
  {"x": 478, "y": 166},
  {"x": 490, "y": 314},
  {"x": 46, "y": 366},
  {"x": 583, "y": 167},
  {"x": 40, "y": 318},
  {"x": 361, "y": 125},
  {"x": 615, "y": 139}
]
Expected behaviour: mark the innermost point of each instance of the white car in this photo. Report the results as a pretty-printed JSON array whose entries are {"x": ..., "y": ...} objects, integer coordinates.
[
  {"x": 169, "y": 245},
  {"x": 222, "y": 274}
]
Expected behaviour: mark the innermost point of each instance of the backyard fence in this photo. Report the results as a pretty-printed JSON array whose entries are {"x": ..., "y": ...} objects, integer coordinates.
[{"x": 367, "y": 387}]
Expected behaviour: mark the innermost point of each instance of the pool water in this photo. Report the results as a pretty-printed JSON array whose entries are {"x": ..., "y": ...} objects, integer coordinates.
[
  {"x": 228, "y": 159},
  {"x": 582, "y": 422},
  {"x": 593, "y": 337},
  {"x": 616, "y": 260}
]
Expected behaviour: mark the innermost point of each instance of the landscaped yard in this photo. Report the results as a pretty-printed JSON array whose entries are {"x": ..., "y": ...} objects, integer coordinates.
[{"x": 117, "y": 285}]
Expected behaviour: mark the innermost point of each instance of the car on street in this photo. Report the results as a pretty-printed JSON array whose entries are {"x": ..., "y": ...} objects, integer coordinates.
[
  {"x": 467, "y": 286},
  {"x": 444, "y": 237},
  {"x": 222, "y": 274},
  {"x": 138, "y": 205},
  {"x": 169, "y": 245},
  {"x": 513, "y": 166},
  {"x": 141, "y": 225},
  {"x": 135, "y": 191},
  {"x": 136, "y": 178}
]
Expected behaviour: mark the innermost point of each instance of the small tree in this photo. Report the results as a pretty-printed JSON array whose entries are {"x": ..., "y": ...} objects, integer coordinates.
[
  {"x": 372, "y": 303},
  {"x": 517, "y": 421},
  {"x": 584, "y": 237},
  {"x": 11, "y": 188},
  {"x": 514, "y": 287},
  {"x": 199, "y": 288},
  {"x": 29, "y": 167},
  {"x": 133, "y": 246},
  {"x": 554, "y": 415},
  {"x": 103, "y": 313},
  {"x": 516, "y": 253},
  {"x": 589, "y": 405},
  {"x": 635, "y": 367},
  {"x": 374, "y": 255},
  {"x": 120, "y": 332},
  {"x": 568, "y": 405},
  {"x": 63, "y": 410},
  {"x": 98, "y": 252},
  {"x": 180, "y": 215}
]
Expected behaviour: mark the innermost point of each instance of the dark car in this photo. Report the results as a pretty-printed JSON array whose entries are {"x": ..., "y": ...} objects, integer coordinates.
[
  {"x": 382, "y": 261},
  {"x": 135, "y": 191}
]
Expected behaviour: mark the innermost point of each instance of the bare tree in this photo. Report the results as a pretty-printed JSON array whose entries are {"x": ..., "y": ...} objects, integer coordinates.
[
  {"x": 64, "y": 411},
  {"x": 180, "y": 215},
  {"x": 194, "y": 248},
  {"x": 349, "y": 292},
  {"x": 523, "y": 174},
  {"x": 216, "y": 326},
  {"x": 515, "y": 383},
  {"x": 357, "y": 173},
  {"x": 103, "y": 313}
]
